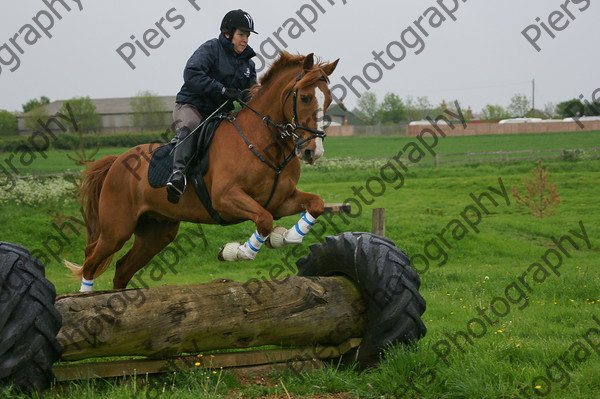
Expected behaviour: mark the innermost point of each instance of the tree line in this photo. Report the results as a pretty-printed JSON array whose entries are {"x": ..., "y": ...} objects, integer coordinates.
[
  {"x": 149, "y": 112},
  {"x": 393, "y": 109}
]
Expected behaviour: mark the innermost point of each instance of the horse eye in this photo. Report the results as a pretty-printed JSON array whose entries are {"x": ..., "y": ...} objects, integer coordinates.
[{"x": 305, "y": 99}]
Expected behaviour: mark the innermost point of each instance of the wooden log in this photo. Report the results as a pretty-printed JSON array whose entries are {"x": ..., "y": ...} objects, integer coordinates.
[
  {"x": 337, "y": 208},
  {"x": 245, "y": 361},
  {"x": 169, "y": 320}
]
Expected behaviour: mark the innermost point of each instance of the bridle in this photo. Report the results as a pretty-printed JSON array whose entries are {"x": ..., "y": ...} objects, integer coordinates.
[
  {"x": 285, "y": 130},
  {"x": 289, "y": 129}
]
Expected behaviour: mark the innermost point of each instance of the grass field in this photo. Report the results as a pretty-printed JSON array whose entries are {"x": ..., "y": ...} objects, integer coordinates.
[{"x": 509, "y": 300}]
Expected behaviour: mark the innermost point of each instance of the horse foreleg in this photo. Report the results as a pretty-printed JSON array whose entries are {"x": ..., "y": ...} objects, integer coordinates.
[
  {"x": 242, "y": 206},
  {"x": 311, "y": 206}
]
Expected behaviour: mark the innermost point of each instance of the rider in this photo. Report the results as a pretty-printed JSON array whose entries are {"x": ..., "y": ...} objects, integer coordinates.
[{"x": 218, "y": 71}]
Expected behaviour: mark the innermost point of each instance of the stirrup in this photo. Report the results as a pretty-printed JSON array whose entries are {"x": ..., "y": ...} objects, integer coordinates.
[{"x": 173, "y": 187}]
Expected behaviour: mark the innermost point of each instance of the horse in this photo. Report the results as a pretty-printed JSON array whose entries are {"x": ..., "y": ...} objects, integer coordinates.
[{"x": 254, "y": 166}]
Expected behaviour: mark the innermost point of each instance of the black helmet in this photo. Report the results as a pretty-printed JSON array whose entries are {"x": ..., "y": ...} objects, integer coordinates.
[{"x": 238, "y": 19}]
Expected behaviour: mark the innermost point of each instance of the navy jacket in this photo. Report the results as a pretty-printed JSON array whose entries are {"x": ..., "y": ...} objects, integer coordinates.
[{"x": 215, "y": 65}]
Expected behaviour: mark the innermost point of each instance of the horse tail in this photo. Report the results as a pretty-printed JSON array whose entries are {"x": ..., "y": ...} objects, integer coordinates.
[{"x": 89, "y": 198}]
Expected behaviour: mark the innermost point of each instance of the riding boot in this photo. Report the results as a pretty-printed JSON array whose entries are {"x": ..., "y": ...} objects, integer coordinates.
[{"x": 184, "y": 152}]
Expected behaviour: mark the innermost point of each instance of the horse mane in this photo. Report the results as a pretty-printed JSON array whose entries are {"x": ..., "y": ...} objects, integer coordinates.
[{"x": 285, "y": 62}]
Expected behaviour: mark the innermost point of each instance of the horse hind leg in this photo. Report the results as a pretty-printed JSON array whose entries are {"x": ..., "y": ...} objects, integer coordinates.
[
  {"x": 98, "y": 261},
  {"x": 151, "y": 236}
]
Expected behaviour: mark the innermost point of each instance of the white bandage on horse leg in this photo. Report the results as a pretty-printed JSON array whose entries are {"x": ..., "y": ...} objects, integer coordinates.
[
  {"x": 300, "y": 229},
  {"x": 86, "y": 285},
  {"x": 253, "y": 245}
]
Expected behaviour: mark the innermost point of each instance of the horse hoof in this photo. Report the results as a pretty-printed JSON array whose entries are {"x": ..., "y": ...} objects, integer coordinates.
[
  {"x": 275, "y": 239},
  {"x": 228, "y": 252},
  {"x": 232, "y": 252}
]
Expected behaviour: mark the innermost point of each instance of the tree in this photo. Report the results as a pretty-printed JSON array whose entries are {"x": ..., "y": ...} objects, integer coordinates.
[
  {"x": 494, "y": 112},
  {"x": 8, "y": 124},
  {"x": 419, "y": 109},
  {"x": 35, "y": 103},
  {"x": 149, "y": 112},
  {"x": 541, "y": 198},
  {"x": 392, "y": 109},
  {"x": 367, "y": 109},
  {"x": 571, "y": 108},
  {"x": 550, "y": 110},
  {"x": 519, "y": 106},
  {"x": 84, "y": 112},
  {"x": 32, "y": 117}
]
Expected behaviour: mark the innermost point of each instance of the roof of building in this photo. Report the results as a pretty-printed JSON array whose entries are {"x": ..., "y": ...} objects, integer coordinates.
[
  {"x": 341, "y": 111},
  {"x": 107, "y": 106}
]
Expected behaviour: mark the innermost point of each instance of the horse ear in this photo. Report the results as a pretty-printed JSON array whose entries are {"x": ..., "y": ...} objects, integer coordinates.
[
  {"x": 309, "y": 62},
  {"x": 329, "y": 68}
]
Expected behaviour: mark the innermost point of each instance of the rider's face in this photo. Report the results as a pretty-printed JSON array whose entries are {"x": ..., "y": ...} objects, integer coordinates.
[{"x": 240, "y": 40}]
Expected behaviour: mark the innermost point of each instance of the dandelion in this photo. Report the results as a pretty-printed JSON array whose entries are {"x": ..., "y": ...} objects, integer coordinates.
[
  {"x": 517, "y": 346},
  {"x": 197, "y": 364},
  {"x": 538, "y": 387},
  {"x": 200, "y": 355}
]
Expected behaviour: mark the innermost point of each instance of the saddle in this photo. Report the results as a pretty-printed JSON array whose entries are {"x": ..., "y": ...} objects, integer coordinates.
[{"x": 161, "y": 166}]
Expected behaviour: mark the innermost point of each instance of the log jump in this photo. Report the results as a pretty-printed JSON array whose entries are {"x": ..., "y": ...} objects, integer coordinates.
[{"x": 354, "y": 295}]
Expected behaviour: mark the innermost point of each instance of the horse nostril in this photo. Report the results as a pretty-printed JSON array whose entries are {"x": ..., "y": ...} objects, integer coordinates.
[{"x": 308, "y": 153}]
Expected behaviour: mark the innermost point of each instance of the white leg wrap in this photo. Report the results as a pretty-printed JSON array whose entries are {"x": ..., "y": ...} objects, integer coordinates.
[
  {"x": 86, "y": 285},
  {"x": 253, "y": 245},
  {"x": 300, "y": 229}
]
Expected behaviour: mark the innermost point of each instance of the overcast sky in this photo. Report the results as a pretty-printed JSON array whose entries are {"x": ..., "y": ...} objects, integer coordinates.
[{"x": 479, "y": 58}]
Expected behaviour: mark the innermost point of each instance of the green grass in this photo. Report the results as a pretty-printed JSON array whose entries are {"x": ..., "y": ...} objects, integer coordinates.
[
  {"x": 544, "y": 325},
  {"x": 359, "y": 147}
]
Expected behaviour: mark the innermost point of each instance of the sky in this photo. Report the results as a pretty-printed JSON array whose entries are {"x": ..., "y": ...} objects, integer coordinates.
[{"x": 472, "y": 51}]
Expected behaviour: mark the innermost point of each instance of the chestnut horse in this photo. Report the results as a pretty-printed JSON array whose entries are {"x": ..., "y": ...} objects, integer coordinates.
[{"x": 243, "y": 173}]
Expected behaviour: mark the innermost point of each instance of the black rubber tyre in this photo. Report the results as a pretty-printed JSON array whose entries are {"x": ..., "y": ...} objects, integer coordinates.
[
  {"x": 388, "y": 285},
  {"x": 29, "y": 322}
]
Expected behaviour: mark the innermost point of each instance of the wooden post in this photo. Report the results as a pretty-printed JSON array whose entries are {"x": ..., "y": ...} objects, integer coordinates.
[
  {"x": 169, "y": 320},
  {"x": 436, "y": 160},
  {"x": 378, "y": 222}
]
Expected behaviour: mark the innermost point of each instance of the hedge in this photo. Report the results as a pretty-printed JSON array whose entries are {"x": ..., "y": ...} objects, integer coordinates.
[{"x": 68, "y": 141}]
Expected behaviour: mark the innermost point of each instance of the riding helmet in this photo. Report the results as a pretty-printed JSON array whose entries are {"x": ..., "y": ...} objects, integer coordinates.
[{"x": 238, "y": 19}]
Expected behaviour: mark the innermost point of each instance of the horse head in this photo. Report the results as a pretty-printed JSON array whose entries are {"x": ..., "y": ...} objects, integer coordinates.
[{"x": 305, "y": 102}]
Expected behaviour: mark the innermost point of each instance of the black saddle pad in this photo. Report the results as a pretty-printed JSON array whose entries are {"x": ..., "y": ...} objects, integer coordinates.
[{"x": 161, "y": 164}]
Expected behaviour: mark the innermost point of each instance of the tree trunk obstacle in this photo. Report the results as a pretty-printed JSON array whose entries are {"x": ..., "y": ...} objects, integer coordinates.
[
  {"x": 355, "y": 294},
  {"x": 170, "y": 320}
]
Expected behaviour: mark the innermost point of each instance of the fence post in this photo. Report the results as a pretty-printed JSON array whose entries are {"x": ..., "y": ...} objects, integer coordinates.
[
  {"x": 436, "y": 160},
  {"x": 378, "y": 222}
]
